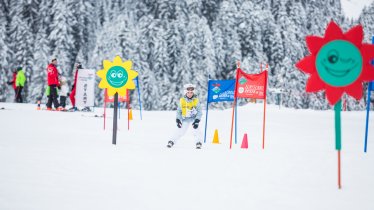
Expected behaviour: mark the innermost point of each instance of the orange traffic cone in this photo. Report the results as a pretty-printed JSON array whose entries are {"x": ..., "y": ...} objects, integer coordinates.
[
  {"x": 130, "y": 114},
  {"x": 215, "y": 138},
  {"x": 38, "y": 107},
  {"x": 245, "y": 142}
]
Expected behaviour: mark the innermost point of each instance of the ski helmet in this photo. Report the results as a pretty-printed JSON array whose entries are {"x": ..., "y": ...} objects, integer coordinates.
[{"x": 189, "y": 87}]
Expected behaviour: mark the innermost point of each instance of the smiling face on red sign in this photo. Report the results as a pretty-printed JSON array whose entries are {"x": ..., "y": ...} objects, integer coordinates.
[{"x": 339, "y": 62}]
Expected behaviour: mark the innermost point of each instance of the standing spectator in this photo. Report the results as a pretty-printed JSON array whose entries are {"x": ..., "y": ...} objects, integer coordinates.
[
  {"x": 63, "y": 92},
  {"x": 13, "y": 82},
  {"x": 74, "y": 87},
  {"x": 53, "y": 83},
  {"x": 20, "y": 83}
]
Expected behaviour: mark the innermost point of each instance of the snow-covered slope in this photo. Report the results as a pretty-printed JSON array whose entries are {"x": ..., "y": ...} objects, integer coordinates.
[
  {"x": 57, "y": 160},
  {"x": 353, "y": 8}
]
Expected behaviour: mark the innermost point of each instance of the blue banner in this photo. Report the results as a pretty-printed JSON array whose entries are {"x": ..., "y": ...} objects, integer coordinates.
[{"x": 221, "y": 90}]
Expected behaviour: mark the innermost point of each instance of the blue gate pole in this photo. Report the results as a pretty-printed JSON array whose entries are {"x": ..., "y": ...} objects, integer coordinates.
[
  {"x": 367, "y": 115},
  {"x": 140, "y": 101},
  {"x": 207, "y": 108},
  {"x": 370, "y": 87}
]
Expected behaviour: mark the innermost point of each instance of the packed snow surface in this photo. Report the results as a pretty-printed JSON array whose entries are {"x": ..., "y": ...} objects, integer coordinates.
[{"x": 66, "y": 160}]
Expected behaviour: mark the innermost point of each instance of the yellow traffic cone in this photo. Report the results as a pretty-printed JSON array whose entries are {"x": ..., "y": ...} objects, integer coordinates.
[
  {"x": 215, "y": 138},
  {"x": 130, "y": 114}
]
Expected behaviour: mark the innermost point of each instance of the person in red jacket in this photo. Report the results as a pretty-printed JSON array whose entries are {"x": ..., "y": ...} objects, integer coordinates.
[
  {"x": 53, "y": 83},
  {"x": 13, "y": 82},
  {"x": 73, "y": 88}
]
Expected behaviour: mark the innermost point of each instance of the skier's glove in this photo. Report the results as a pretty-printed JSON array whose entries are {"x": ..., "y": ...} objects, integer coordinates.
[
  {"x": 195, "y": 124},
  {"x": 179, "y": 123}
]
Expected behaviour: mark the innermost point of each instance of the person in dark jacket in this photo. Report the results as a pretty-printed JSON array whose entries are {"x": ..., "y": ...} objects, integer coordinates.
[{"x": 53, "y": 83}]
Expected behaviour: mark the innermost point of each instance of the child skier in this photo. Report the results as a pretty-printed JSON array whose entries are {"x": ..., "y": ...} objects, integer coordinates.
[
  {"x": 63, "y": 92},
  {"x": 188, "y": 113}
]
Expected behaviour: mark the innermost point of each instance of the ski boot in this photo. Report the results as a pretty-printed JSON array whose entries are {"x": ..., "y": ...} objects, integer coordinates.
[
  {"x": 198, "y": 145},
  {"x": 72, "y": 109},
  {"x": 170, "y": 144},
  {"x": 86, "y": 109}
]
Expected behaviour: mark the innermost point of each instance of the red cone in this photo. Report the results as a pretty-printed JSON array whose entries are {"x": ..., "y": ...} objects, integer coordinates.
[{"x": 245, "y": 142}]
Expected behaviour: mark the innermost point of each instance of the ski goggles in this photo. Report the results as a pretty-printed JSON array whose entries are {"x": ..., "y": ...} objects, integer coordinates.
[{"x": 190, "y": 89}]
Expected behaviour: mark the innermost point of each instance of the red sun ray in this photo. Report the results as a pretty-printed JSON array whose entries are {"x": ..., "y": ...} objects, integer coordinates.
[
  {"x": 355, "y": 90},
  {"x": 314, "y": 84},
  {"x": 333, "y": 94},
  {"x": 314, "y": 43},
  {"x": 355, "y": 35},
  {"x": 368, "y": 74},
  {"x": 307, "y": 64},
  {"x": 333, "y": 31},
  {"x": 367, "y": 52}
]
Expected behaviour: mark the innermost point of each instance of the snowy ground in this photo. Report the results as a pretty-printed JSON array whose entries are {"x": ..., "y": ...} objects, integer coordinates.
[{"x": 57, "y": 160}]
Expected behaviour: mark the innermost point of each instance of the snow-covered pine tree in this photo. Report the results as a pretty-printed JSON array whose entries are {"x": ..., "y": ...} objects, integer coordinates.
[
  {"x": 63, "y": 35},
  {"x": 200, "y": 52},
  {"x": 226, "y": 41},
  {"x": 251, "y": 30},
  {"x": 22, "y": 42},
  {"x": 273, "y": 49},
  {"x": 5, "y": 68},
  {"x": 367, "y": 20},
  {"x": 210, "y": 10},
  {"x": 38, "y": 80},
  {"x": 86, "y": 18},
  {"x": 31, "y": 14},
  {"x": 147, "y": 78},
  {"x": 293, "y": 30}
]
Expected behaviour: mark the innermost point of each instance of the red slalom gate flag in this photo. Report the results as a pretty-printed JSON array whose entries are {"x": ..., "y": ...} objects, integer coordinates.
[
  {"x": 110, "y": 99},
  {"x": 251, "y": 85}
]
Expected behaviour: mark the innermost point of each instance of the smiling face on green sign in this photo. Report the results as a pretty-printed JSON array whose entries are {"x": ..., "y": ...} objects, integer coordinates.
[
  {"x": 339, "y": 63},
  {"x": 117, "y": 76}
]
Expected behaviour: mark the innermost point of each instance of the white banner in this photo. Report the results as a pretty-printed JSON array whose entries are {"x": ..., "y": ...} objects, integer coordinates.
[{"x": 85, "y": 95}]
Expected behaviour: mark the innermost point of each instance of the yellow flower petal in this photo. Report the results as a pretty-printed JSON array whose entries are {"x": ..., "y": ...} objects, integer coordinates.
[
  {"x": 111, "y": 91},
  {"x": 130, "y": 85},
  {"x": 132, "y": 74},
  {"x": 101, "y": 73},
  {"x": 122, "y": 91},
  {"x": 117, "y": 61},
  {"x": 107, "y": 64},
  {"x": 127, "y": 65},
  {"x": 103, "y": 84}
]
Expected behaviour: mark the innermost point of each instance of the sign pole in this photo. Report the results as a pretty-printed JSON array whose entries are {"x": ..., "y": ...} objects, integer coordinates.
[
  {"x": 338, "y": 138},
  {"x": 105, "y": 99},
  {"x": 234, "y": 104},
  {"x": 114, "y": 140},
  {"x": 263, "y": 126}
]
